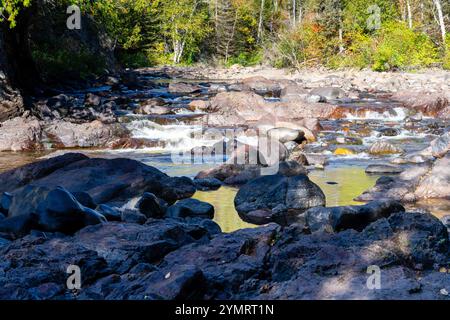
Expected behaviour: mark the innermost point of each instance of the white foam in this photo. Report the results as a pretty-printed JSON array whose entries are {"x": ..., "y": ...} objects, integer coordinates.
[{"x": 396, "y": 114}]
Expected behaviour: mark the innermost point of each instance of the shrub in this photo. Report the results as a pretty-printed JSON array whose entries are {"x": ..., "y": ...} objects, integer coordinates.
[
  {"x": 62, "y": 63},
  {"x": 446, "y": 59},
  {"x": 398, "y": 47}
]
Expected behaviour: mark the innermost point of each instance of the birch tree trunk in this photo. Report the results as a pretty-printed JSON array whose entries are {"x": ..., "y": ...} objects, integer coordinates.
[
  {"x": 261, "y": 20},
  {"x": 437, "y": 4},
  {"x": 408, "y": 8}
]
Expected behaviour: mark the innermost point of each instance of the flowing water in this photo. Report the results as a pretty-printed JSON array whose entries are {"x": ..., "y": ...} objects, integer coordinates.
[{"x": 342, "y": 180}]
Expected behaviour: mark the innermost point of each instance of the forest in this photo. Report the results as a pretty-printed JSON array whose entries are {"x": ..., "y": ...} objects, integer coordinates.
[{"x": 382, "y": 35}]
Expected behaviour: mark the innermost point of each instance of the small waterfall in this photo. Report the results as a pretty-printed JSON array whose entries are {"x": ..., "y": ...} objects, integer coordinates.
[
  {"x": 395, "y": 114},
  {"x": 178, "y": 137}
]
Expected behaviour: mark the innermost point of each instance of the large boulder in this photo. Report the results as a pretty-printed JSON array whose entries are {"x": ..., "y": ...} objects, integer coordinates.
[
  {"x": 429, "y": 104},
  {"x": 262, "y": 86},
  {"x": 384, "y": 148},
  {"x": 92, "y": 134},
  {"x": 183, "y": 88},
  {"x": 191, "y": 208},
  {"x": 280, "y": 197},
  {"x": 286, "y": 134},
  {"x": 61, "y": 212},
  {"x": 48, "y": 210},
  {"x": 151, "y": 206},
  {"x": 19, "y": 177},
  {"x": 330, "y": 93},
  {"x": 436, "y": 184},
  {"x": 293, "y": 92},
  {"x": 20, "y": 134},
  {"x": 441, "y": 145},
  {"x": 349, "y": 217},
  {"x": 420, "y": 181},
  {"x": 105, "y": 180}
]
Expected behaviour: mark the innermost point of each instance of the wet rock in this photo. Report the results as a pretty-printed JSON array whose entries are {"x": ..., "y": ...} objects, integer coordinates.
[
  {"x": 349, "y": 140},
  {"x": 383, "y": 168},
  {"x": 17, "y": 226},
  {"x": 389, "y": 132},
  {"x": 92, "y": 100},
  {"x": 105, "y": 180},
  {"x": 188, "y": 208},
  {"x": 85, "y": 199},
  {"x": 235, "y": 107},
  {"x": 231, "y": 174},
  {"x": 200, "y": 105},
  {"x": 262, "y": 86},
  {"x": 26, "y": 200},
  {"x": 48, "y": 260},
  {"x": 133, "y": 216},
  {"x": 124, "y": 245},
  {"x": 421, "y": 181},
  {"x": 269, "y": 152},
  {"x": 291, "y": 168},
  {"x": 329, "y": 93},
  {"x": 411, "y": 158},
  {"x": 446, "y": 221},
  {"x": 441, "y": 146},
  {"x": 343, "y": 152},
  {"x": 20, "y": 134},
  {"x": 110, "y": 213},
  {"x": 349, "y": 217},
  {"x": 286, "y": 134},
  {"x": 436, "y": 184},
  {"x": 61, "y": 212},
  {"x": 313, "y": 98},
  {"x": 156, "y": 110},
  {"x": 94, "y": 134},
  {"x": 427, "y": 238},
  {"x": 134, "y": 143},
  {"x": 429, "y": 104},
  {"x": 19, "y": 177},
  {"x": 207, "y": 184},
  {"x": 283, "y": 196},
  {"x": 359, "y": 217},
  {"x": 293, "y": 93},
  {"x": 183, "y": 88},
  {"x": 151, "y": 206},
  {"x": 384, "y": 148},
  {"x": 5, "y": 202},
  {"x": 297, "y": 154},
  {"x": 316, "y": 159}
]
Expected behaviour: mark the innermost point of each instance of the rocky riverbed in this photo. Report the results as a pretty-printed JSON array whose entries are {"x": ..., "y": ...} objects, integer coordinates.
[{"x": 174, "y": 192}]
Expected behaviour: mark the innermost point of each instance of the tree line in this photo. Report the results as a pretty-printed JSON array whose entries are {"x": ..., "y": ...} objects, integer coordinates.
[{"x": 377, "y": 34}]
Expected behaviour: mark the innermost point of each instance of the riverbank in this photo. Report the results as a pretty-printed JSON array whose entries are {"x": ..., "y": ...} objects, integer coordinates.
[{"x": 161, "y": 180}]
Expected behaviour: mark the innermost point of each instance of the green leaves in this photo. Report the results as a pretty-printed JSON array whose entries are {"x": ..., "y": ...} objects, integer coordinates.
[{"x": 9, "y": 10}]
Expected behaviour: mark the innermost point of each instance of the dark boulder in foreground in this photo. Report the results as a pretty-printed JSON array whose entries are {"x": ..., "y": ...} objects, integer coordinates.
[
  {"x": 278, "y": 197},
  {"x": 105, "y": 180},
  {"x": 350, "y": 217},
  {"x": 151, "y": 206},
  {"x": 191, "y": 208},
  {"x": 184, "y": 259},
  {"x": 61, "y": 212},
  {"x": 47, "y": 210}
]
